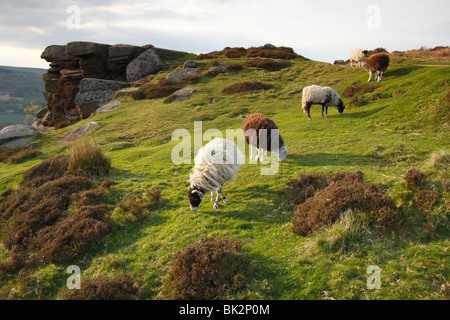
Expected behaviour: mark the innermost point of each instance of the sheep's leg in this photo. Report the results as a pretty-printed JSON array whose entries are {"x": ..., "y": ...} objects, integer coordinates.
[
  {"x": 308, "y": 107},
  {"x": 216, "y": 203},
  {"x": 323, "y": 108},
  {"x": 258, "y": 154},
  {"x": 326, "y": 111},
  {"x": 222, "y": 195},
  {"x": 263, "y": 155},
  {"x": 212, "y": 196},
  {"x": 370, "y": 75},
  {"x": 252, "y": 156}
]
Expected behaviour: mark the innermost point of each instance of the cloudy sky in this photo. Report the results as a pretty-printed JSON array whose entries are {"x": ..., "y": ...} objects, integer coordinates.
[{"x": 324, "y": 30}]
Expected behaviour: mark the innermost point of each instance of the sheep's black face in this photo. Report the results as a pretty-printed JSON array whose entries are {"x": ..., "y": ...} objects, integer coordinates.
[
  {"x": 195, "y": 196},
  {"x": 341, "y": 107}
]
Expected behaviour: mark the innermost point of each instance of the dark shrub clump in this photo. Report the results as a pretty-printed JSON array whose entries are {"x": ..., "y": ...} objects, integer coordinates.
[
  {"x": 246, "y": 86},
  {"x": 426, "y": 199},
  {"x": 414, "y": 179},
  {"x": 161, "y": 89},
  {"x": 45, "y": 171},
  {"x": 137, "y": 204},
  {"x": 266, "y": 64},
  {"x": 207, "y": 270},
  {"x": 28, "y": 210},
  {"x": 62, "y": 241},
  {"x": 306, "y": 185},
  {"x": 103, "y": 287},
  {"x": 355, "y": 89},
  {"x": 327, "y": 203}
]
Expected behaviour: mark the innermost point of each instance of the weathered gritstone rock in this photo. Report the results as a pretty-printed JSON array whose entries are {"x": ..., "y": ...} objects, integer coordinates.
[
  {"x": 95, "y": 93},
  {"x": 80, "y": 132},
  {"x": 16, "y": 136},
  {"x": 178, "y": 75},
  {"x": 146, "y": 63},
  {"x": 183, "y": 94}
]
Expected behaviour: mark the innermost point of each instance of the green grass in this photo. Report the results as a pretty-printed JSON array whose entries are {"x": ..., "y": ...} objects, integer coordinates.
[{"x": 402, "y": 123}]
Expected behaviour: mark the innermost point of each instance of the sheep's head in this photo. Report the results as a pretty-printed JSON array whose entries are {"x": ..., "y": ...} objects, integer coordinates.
[
  {"x": 341, "y": 107},
  {"x": 195, "y": 196},
  {"x": 282, "y": 153}
]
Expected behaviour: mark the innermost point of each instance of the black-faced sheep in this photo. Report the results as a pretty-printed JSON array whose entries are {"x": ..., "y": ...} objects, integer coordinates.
[
  {"x": 358, "y": 56},
  {"x": 258, "y": 133},
  {"x": 376, "y": 65},
  {"x": 324, "y": 96},
  {"x": 215, "y": 163}
]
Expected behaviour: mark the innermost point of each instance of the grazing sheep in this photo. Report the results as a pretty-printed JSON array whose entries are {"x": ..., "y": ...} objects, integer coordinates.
[
  {"x": 215, "y": 163},
  {"x": 358, "y": 56},
  {"x": 261, "y": 140},
  {"x": 325, "y": 96},
  {"x": 377, "y": 64}
]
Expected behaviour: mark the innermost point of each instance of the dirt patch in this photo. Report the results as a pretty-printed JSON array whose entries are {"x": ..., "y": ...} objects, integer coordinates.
[
  {"x": 207, "y": 270},
  {"x": 355, "y": 89}
]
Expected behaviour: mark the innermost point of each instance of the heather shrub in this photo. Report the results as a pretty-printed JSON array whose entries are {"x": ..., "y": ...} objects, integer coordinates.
[
  {"x": 266, "y": 64},
  {"x": 62, "y": 241},
  {"x": 426, "y": 199},
  {"x": 355, "y": 89},
  {"x": 87, "y": 159},
  {"x": 104, "y": 287},
  {"x": 161, "y": 89},
  {"x": 47, "y": 170},
  {"x": 306, "y": 185},
  {"x": 325, "y": 206},
  {"x": 246, "y": 86},
  {"x": 414, "y": 179},
  {"x": 136, "y": 205},
  {"x": 17, "y": 155},
  {"x": 28, "y": 210},
  {"x": 208, "y": 269}
]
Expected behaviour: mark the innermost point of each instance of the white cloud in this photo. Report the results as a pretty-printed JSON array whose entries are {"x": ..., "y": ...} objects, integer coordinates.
[{"x": 322, "y": 30}]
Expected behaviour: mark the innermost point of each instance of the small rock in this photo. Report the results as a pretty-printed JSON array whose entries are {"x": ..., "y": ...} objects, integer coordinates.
[
  {"x": 113, "y": 104},
  {"x": 80, "y": 132},
  {"x": 178, "y": 75},
  {"x": 183, "y": 94}
]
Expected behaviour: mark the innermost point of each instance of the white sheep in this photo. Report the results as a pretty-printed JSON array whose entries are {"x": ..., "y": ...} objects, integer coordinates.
[
  {"x": 358, "y": 56},
  {"x": 215, "y": 163},
  {"x": 325, "y": 96}
]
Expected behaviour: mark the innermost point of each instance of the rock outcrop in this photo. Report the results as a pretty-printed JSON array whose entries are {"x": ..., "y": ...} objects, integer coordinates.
[{"x": 76, "y": 61}]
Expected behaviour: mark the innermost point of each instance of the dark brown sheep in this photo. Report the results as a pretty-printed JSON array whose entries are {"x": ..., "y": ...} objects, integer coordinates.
[
  {"x": 376, "y": 65},
  {"x": 261, "y": 140}
]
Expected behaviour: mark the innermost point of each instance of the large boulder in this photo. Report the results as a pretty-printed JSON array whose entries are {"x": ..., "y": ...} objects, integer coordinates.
[
  {"x": 56, "y": 53},
  {"x": 16, "y": 136},
  {"x": 84, "y": 48},
  {"x": 95, "y": 93},
  {"x": 143, "y": 65}
]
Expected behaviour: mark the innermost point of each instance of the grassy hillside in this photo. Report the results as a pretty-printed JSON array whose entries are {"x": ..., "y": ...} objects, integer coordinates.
[
  {"x": 19, "y": 89},
  {"x": 396, "y": 125}
]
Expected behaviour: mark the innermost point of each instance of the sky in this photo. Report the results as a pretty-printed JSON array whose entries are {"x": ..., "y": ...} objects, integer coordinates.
[{"x": 322, "y": 30}]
